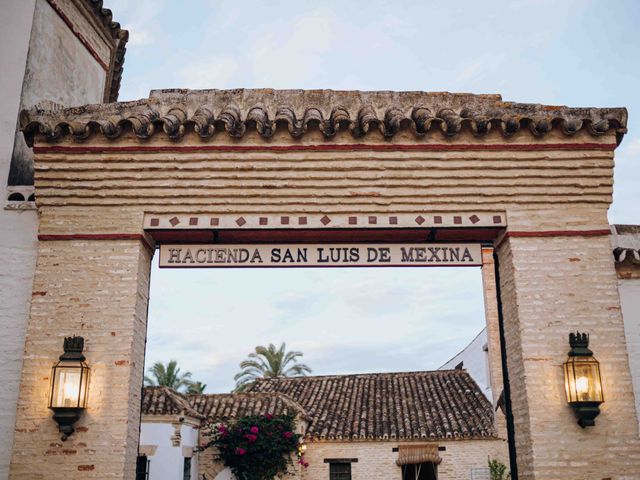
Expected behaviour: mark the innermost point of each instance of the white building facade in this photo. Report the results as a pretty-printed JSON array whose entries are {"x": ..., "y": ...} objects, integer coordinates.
[{"x": 64, "y": 52}]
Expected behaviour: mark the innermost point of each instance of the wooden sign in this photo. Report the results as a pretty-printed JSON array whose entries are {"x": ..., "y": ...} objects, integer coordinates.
[{"x": 320, "y": 255}]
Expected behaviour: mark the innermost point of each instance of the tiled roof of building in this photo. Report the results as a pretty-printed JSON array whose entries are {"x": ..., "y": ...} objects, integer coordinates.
[
  {"x": 236, "y": 112},
  {"x": 120, "y": 38},
  {"x": 228, "y": 406},
  {"x": 626, "y": 243},
  {"x": 166, "y": 401},
  {"x": 414, "y": 405}
]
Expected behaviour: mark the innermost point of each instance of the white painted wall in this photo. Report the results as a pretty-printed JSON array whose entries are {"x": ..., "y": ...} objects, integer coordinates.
[
  {"x": 17, "y": 229},
  {"x": 476, "y": 361},
  {"x": 629, "y": 290},
  {"x": 41, "y": 60},
  {"x": 167, "y": 463}
]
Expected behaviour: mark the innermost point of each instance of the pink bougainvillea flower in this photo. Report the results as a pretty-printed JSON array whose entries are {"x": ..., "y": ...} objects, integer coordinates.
[
  {"x": 268, "y": 416},
  {"x": 250, "y": 438},
  {"x": 240, "y": 451},
  {"x": 288, "y": 434},
  {"x": 254, "y": 429}
]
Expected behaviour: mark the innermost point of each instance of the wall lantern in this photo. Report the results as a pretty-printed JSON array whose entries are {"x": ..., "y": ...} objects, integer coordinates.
[
  {"x": 69, "y": 382},
  {"x": 582, "y": 380}
]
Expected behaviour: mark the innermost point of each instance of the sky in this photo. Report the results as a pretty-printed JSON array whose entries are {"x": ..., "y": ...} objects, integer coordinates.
[{"x": 574, "y": 52}]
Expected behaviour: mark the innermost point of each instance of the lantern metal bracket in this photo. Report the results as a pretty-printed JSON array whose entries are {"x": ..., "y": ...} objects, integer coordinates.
[{"x": 65, "y": 418}]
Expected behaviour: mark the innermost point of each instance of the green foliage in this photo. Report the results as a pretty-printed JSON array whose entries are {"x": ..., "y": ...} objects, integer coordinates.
[
  {"x": 168, "y": 376},
  {"x": 259, "y": 447},
  {"x": 497, "y": 469},
  {"x": 269, "y": 362},
  {"x": 196, "y": 387}
]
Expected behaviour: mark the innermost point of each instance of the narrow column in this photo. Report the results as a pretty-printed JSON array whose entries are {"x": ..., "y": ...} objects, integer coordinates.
[
  {"x": 493, "y": 336},
  {"x": 97, "y": 289},
  {"x": 550, "y": 287}
]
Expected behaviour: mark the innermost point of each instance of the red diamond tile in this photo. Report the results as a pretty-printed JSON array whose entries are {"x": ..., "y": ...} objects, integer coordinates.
[
  {"x": 302, "y": 220},
  {"x": 155, "y": 222},
  {"x": 373, "y": 220},
  {"x": 353, "y": 220},
  {"x": 325, "y": 220},
  {"x": 214, "y": 221},
  {"x": 437, "y": 219},
  {"x": 474, "y": 219},
  {"x": 174, "y": 221},
  {"x": 420, "y": 220},
  {"x": 497, "y": 219},
  {"x": 241, "y": 221},
  {"x": 264, "y": 221},
  {"x": 457, "y": 220},
  {"x": 284, "y": 220},
  {"x": 393, "y": 220},
  {"x": 193, "y": 221}
]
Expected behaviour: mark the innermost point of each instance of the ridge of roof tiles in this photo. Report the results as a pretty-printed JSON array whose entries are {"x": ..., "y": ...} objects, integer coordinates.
[
  {"x": 430, "y": 405},
  {"x": 119, "y": 36},
  {"x": 626, "y": 243},
  {"x": 166, "y": 401},
  {"x": 226, "y": 406},
  {"x": 175, "y": 112}
]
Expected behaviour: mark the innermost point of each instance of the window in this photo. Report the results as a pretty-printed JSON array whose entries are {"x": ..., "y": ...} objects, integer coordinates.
[
  {"x": 142, "y": 468},
  {"x": 420, "y": 471},
  {"x": 186, "y": 471},
  {"x": 339, "y": 471}
]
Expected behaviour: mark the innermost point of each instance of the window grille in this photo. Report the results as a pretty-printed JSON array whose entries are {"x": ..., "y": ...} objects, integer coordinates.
[
  {"x": 186, "y": 471},
  {"x": 142, "y": 467},
  {"x": 339, "y": 471}
]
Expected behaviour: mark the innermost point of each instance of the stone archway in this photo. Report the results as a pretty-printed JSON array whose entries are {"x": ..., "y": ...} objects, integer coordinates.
[{"x": 261, "y": 165}]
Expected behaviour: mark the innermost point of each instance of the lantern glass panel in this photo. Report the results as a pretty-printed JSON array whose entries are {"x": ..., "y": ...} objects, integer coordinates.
[
  {"x": 582, "y": 380},
  {"x": 69, "y": 385}
]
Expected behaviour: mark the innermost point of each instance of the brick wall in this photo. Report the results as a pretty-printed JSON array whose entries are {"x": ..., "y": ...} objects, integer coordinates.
[{"x": 376, "y": 460}]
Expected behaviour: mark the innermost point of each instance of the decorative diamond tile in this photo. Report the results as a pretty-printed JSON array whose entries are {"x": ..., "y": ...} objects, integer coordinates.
[
  {"x": 353, "y": 220},
  {"x": 241, "y": 221},
  {"x": 497, "y": 219},
  {"x": 302, "y": 220},
  {"x": 284, "y": 220},
  {"x": 373, "y": 220},
  {"x": 263, "y": 221},
  {"x": 420, "y": 220},
  {"x": 174, "y": 221},
  {"x": 457, "y": 220},
  {"x": 325, "y": 220},
  {"x": 437, "y": 220},
  {"x": 193, "y": 221},
  {"x": 155, "y": 222},
  {"x": 214, "y": 221},
  {"x": 474, "y": 219},
  {"x": 393, "y": 220}
]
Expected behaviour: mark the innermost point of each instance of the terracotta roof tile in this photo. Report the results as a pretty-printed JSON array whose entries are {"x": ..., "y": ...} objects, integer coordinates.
[
  {"x": 166, "y": 401},
  {"x": 227, "y": 406},
  {"x": 204, "y": 112},
  {"x": 414, "y": 405}
]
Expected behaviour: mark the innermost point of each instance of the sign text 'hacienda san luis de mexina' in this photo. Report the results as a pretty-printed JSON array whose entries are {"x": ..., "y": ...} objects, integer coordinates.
[{"x": 329, "y": 255}]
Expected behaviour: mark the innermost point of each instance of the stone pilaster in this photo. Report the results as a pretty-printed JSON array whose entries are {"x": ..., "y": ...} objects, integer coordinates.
[
  {"x": 97, "y": 289},
  {"x": 550, "y": 287}
]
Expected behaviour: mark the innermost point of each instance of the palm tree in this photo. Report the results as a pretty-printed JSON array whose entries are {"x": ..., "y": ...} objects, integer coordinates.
[
  {"x": 269, "y": 362},
  {"x": 168, "y": 376},
  {"x": 196, "y": 387}
]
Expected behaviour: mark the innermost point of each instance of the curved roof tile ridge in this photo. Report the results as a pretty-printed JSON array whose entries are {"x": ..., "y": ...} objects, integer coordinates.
[{"x": 175, "y": 112}]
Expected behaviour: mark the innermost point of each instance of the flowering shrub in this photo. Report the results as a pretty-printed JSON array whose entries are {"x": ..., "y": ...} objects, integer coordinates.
[{"x": 258, "y": 447}]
